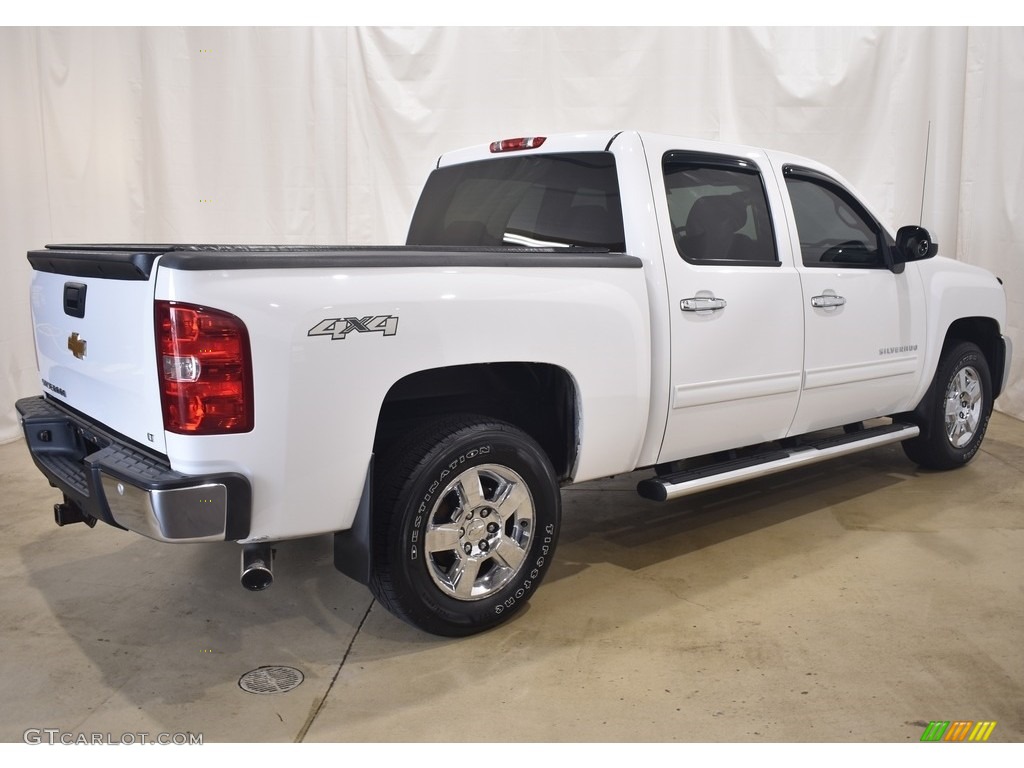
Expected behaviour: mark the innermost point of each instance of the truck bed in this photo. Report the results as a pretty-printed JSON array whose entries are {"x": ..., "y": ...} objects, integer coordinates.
[{"x": 127, "y": 261}]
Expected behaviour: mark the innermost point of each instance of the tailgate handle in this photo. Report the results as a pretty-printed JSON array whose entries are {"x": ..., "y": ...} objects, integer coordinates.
[{"x": 74, "y": 299}]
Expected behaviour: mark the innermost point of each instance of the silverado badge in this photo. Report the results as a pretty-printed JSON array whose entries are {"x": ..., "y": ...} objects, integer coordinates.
[{"x": 76, "y": 345}]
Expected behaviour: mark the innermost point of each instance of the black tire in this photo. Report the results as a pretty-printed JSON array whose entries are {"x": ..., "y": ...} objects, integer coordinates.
[
  {"x": 958, "y": 407},
  {"x": 463, "y": 497}
]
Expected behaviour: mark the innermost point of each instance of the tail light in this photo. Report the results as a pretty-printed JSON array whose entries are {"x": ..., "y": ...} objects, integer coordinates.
[{"x": 205, "y": 369}]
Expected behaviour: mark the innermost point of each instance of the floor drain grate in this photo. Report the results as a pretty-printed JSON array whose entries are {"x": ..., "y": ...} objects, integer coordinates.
[{"x": 270, "y": 680}]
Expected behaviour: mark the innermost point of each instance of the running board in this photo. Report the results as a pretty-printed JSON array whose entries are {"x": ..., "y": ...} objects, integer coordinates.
[{"x": 691, "y": 481}]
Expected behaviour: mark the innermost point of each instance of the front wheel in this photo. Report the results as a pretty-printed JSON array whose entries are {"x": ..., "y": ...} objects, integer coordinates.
[
  {"x": 959, "y": 407},
  {"x": 466, "y": 519}
]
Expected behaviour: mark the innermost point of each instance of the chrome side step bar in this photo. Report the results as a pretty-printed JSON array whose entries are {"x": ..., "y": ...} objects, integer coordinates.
[{"x": 691, "y": 481}]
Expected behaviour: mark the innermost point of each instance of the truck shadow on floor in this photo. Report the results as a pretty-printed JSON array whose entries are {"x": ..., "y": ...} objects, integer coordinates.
[
  {"x": 170, "y": 626},
  {"x": 605, "y": 521}
]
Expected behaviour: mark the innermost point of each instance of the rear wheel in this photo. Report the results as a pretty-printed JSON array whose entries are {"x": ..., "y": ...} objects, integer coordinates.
[
  {"x": 960, "y": 404},
  {"x": 466, "y": 519}
]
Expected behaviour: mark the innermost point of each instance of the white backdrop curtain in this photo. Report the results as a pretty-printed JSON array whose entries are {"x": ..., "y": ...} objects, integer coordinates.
[{"x": 325, "y": 135}]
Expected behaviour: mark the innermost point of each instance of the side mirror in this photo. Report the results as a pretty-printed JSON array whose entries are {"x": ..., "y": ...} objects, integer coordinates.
[{"x": 913, "y": 243}]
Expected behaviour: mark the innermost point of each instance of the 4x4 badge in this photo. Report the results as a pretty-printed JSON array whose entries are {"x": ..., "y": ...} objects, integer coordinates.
[
  {"x": 340, "y": 327},
  {"x": 76, "y": 345}
]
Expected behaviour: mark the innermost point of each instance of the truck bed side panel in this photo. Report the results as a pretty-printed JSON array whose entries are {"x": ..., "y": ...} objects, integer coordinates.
[{"x": 323, "y": 363}]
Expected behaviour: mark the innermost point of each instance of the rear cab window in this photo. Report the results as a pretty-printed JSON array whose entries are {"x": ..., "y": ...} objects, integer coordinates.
[{"x": 542, "y": 201}]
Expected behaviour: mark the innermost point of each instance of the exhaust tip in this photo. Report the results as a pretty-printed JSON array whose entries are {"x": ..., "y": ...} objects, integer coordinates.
[{"x": 257, "y": 568}]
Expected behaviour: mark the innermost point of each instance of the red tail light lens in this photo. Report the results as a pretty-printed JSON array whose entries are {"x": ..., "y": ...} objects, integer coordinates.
[{"x": 205, "y": 367}]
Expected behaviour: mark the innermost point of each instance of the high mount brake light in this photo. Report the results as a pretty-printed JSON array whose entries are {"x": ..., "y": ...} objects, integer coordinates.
[
  {"x": 205, "y": 367},
  {"x": 513, "y": 145}
]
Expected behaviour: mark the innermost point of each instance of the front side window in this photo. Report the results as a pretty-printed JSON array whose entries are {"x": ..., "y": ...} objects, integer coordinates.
[
  {"x": 718, "y": 210},
  {"x": 834, "y": 228},
  {"x": 544, "y": 201}
]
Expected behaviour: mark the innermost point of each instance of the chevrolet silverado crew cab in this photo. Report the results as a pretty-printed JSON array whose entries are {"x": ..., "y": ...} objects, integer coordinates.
[{"x": 566, "y": 308}]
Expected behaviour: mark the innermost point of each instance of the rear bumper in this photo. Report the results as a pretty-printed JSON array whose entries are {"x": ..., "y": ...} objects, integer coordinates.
[{"x": 111, "y": 480}]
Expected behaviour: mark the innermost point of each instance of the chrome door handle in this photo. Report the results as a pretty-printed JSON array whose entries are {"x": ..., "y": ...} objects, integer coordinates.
[
  {"x": 827, "y": 301},
  {"x": 701, "y": 304}
]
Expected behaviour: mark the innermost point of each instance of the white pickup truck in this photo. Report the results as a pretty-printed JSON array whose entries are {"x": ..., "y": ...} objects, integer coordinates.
[{"x": 566, "y": 308}]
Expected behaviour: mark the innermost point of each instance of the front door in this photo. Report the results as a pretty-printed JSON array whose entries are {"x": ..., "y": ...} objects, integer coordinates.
[{"x": 864, "y": 323}]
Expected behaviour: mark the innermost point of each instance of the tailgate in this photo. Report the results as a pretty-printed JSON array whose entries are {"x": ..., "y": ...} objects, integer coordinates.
[{"x": 92, "y": 314}]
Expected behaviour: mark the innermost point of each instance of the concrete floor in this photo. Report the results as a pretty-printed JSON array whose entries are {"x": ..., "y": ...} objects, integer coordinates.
[{"x": 851, "y": 601}]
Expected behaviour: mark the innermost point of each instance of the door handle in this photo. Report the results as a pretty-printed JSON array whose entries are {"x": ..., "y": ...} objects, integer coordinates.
[
  {"x": 827, "y": 301},
  {"x": 701, "y": 304}
]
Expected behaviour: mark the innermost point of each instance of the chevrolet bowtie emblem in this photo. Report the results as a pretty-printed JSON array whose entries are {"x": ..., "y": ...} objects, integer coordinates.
[{"x": 76, "y": 345}]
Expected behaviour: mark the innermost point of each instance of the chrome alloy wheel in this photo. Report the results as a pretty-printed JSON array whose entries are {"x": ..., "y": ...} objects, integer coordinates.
[
  {"x": 479, "y": 531},
  {"x": 963, "y": 406}
]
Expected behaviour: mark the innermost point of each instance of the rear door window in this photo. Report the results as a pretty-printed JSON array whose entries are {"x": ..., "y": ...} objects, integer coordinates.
[{"x": 718, "y": 209}]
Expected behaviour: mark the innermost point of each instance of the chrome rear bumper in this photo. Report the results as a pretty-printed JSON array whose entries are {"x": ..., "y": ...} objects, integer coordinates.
[{"x": 108, "y": 479}]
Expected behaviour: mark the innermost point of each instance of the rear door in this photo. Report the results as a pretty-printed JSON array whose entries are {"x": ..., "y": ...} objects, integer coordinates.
[
  {"x": 92, "y": 312},
  {"x": 734, "y": 300}
]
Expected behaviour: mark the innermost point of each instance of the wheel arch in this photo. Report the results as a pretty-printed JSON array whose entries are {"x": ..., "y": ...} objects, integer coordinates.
[
  {"x": 983, "y": 331},
  {"x": 539, "y": 398}
]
